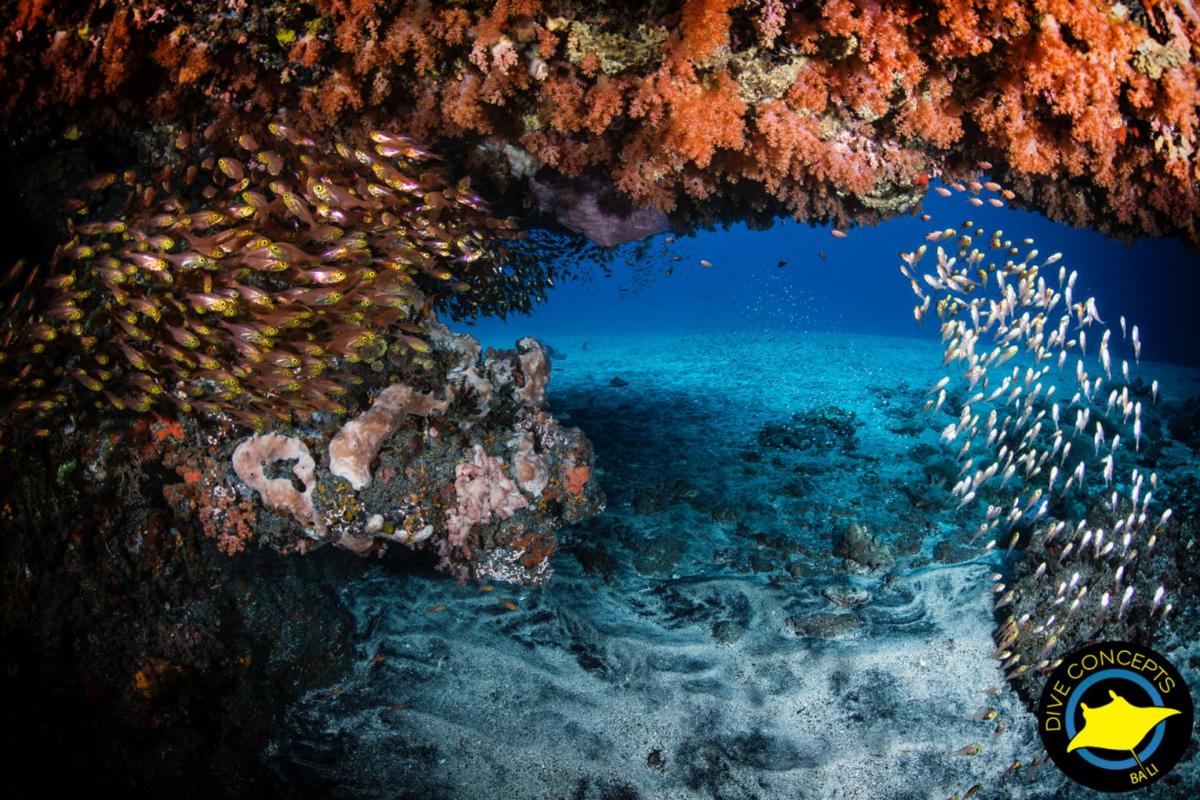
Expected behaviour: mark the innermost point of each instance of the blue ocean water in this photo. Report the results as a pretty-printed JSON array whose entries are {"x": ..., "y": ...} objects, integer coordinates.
[
  {"x": 706, "y": 636},
  {"x": 856, "y": 287}
]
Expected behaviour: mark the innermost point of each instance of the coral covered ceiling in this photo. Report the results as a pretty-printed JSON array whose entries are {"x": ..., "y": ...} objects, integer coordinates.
[{"x": 839, "y": 111}]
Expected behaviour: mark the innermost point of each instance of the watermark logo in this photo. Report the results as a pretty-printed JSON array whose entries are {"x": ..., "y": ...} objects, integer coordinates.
[{"x": 1115, "y": 716}]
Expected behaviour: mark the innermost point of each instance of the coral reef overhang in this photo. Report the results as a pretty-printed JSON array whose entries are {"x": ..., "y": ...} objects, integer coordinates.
[{"x": 612, "y": 115}]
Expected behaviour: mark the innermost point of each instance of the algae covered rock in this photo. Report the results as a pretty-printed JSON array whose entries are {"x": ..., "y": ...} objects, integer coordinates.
[
  {"x": 824, "y": 626},
  {"x": 458, "y": 460},
  {"x": 819, "y": 430},
  {"x": 858, "y": 544}
]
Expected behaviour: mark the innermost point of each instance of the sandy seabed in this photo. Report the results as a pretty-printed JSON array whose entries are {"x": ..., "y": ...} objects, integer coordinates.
[{"x": 687, "y": 646}]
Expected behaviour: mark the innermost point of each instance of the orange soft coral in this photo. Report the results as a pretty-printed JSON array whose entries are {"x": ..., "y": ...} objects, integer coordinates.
[
  {"x": 705, "y": 117},
  {"x": 704, "y": 27},
  {"x": 1087, "y": 110}
]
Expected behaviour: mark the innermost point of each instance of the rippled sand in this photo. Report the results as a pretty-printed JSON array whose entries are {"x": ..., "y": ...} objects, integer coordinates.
[{"x": 688, "y": 646}]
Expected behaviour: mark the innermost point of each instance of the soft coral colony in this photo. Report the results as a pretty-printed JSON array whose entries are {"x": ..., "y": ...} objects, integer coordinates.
[{"x": 837, "y": 110}]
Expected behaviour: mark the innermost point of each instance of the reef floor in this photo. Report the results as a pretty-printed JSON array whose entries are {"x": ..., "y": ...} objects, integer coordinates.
[{"x": 782, "y": 600}]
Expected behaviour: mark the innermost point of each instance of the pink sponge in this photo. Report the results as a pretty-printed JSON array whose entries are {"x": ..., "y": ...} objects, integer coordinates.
[{"x": 483, "y": 490}]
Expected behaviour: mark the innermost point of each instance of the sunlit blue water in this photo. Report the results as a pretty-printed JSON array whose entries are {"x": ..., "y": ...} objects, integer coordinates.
[{"x": 857, "y": 286}]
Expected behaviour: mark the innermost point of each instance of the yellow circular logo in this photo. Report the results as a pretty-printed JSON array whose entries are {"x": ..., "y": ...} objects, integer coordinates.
[{"x": 1115, "y": 716}]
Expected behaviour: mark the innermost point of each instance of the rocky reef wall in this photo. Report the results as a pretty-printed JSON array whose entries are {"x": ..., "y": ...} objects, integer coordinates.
[
  {"x": 242, "y": 358},
  {"x": 146, "y": 613}
]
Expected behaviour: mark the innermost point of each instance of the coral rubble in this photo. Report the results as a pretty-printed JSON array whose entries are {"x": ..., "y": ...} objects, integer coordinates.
[{"x": 839, "y": 110}]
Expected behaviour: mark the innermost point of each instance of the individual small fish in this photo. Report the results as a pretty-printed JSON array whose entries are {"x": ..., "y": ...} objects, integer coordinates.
[
  {"x": 271, "y": 160},
  {"x": 146, "y": 384},
  {"x": 203, "y": 219},
  {"x": 282, "y": 131},
  {"x": 217, "y": 304},
  {"x": 184, "y": 337},
  {"x": 87, "y": 380},
  {"x": 415, "y": 343},
  {"x": 65, "y": 312},
  {"x": 231, "y": 168},
  {"x": 101, "y": 181},
  {"x": 147, "y": 261},
  {"x": 381, "y": 192},
  {"x": 282, "y": 358},
  {"x": 80, "y": 252},
  {"x": 146, "y": 307},
  {"x": 325, "y": 276},
  {"x": 508, "y": 604},
  {"x": 1125, "y": 598},
  {"x": 393, "y": 139}
]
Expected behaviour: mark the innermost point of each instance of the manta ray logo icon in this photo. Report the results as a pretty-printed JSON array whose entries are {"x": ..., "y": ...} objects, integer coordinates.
[{"x": 1115, "y": 716}]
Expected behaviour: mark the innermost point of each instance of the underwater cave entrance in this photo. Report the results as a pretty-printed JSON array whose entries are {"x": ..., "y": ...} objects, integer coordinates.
[{"x": 786, "y": 548}]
